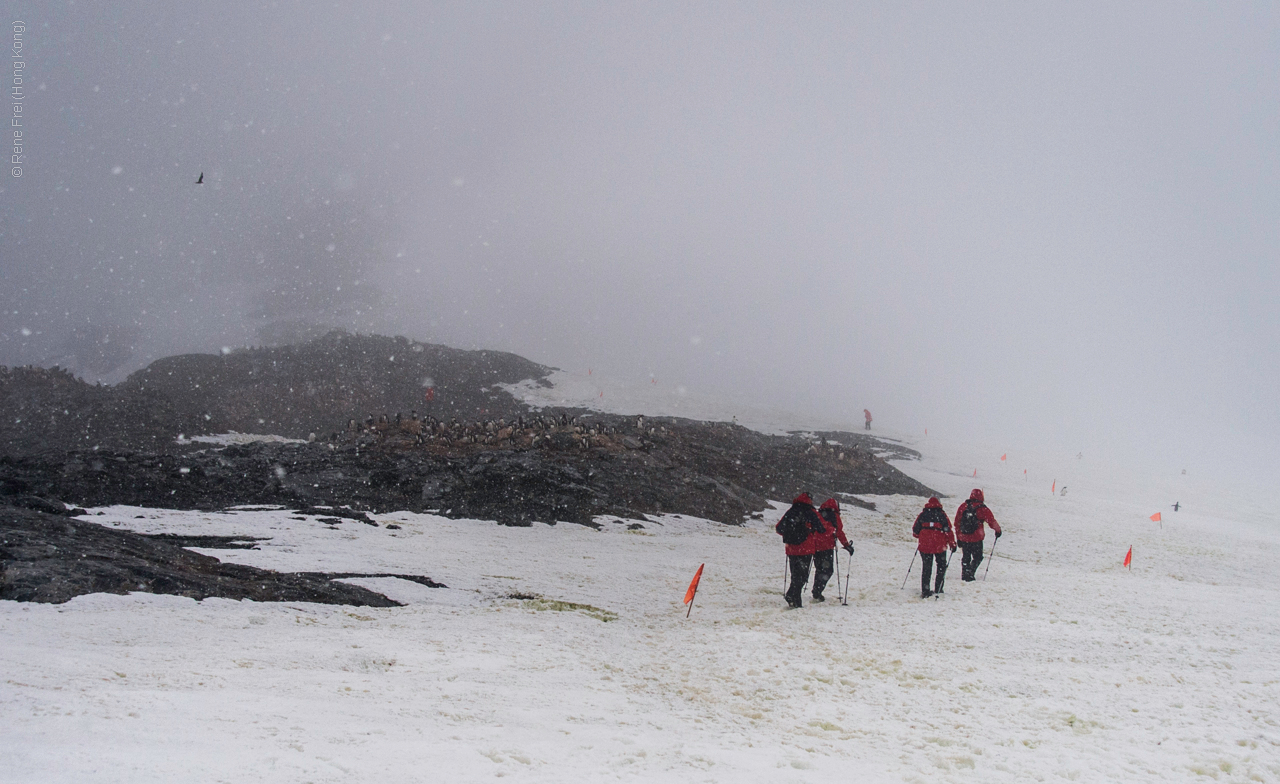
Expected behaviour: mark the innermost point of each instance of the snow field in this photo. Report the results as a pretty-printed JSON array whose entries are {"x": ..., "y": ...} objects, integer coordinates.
[{"x": 1061, "y": 666}]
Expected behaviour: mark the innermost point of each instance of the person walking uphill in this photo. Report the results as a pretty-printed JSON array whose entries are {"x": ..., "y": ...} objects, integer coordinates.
[
  {"x": 797, "y": 528},
  {"x": 933, "y": 530},
  {"x": 824, "y": 546},
  {"x": 970, "y": 530}
]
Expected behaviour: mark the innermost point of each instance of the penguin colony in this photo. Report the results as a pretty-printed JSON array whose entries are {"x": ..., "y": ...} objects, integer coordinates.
[{"x": 520, "y": 433}]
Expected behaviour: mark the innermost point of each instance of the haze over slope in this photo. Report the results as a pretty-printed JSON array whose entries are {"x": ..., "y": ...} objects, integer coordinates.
[{"x": 1041, "y": 225}]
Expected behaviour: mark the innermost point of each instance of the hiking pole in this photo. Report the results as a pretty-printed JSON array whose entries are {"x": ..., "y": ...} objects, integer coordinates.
[
  {"x": 989, "y": 557},
  {"x": 847, "y": 572},
  {"x": 909, "y": 568},
  {"x": 786, "y": 567},
  {"x": 835, "y": 552}
]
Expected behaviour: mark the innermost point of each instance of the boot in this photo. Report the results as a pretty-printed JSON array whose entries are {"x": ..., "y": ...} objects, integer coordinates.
[{"x": 926, "y": 593}]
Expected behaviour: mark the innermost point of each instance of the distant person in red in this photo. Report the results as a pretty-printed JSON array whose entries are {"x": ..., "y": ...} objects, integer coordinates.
[
  {"x": 866, "y": 412},
  {"x": 971, "y": 519},
  {"x": 824, "y": 546},
  {"x": 798, "y": 529},
  {"x": 933, "y": 530}
]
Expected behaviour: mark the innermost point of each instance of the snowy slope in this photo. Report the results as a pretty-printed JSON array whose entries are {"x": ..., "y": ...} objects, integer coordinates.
[
  {"x": 1061, "y": 665},
  {"x": 610, "y": 395}
]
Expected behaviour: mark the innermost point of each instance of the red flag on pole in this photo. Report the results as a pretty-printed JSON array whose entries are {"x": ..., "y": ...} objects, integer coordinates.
[
  {"x": 1128, "y": 559},
  {"x": 975, "y": 473},
  {"x": 1054, "y": 489},
  {"x": 693, "y": 590},
  {"x": 1155, "y": 518},
  {"x": 1002, "y": 457}
]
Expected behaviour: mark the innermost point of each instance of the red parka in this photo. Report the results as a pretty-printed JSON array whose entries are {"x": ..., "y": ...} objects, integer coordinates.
[
  {"x": 933, "y": 529},
  {"x": 984, "y": 516},
  {"x": 827, "y": 539},
  {"x": 803, "y": 505}
]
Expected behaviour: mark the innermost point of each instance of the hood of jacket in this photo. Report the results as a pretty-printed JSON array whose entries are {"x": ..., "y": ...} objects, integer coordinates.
[
  {"x": 831, "y": 503},
  {"x": 803, "y": 498},
  {"x": 976, "y": 495},
  {"x": 933, "y": 502}
]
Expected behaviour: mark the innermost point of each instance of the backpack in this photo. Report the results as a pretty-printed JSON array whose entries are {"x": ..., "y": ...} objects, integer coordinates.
[
  {"x": 932, "y": 518},
  {"x": 794, "y": 526},
  {"x": 969, "y": 520}
]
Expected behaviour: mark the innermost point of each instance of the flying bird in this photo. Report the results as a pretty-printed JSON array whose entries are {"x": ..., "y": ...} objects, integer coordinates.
[{"x": 200, "y": 180}]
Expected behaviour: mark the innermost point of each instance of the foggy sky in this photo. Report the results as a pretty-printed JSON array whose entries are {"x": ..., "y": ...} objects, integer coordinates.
[{"x": 1042, "y": 225}]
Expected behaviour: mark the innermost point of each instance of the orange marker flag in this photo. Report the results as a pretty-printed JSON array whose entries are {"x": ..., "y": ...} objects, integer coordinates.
[
  {"x": 1054, "y": 489},
  {"x": 975, "y": 473},
  {"x": 693, "y": 590},
  {"x": 1128, "y": 559},
  {"x": 1155, "y": 518},
  {"x": 1002, "y": 457}
]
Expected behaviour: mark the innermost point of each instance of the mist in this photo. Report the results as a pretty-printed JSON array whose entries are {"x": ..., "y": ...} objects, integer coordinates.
[{"x": 1030, "y": 225}]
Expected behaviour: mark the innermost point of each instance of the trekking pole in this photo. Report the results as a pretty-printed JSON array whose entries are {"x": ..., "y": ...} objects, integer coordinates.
[
  {"x": 909, "y": 568},
  {"x": 847, "y": 573},
  {"x": 786, "y": 567},
  {"x": 835, "y": 552},
  {"x": 989, "y": 557}
]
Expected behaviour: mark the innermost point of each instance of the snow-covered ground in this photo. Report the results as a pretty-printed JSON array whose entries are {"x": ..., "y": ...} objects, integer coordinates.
[
  {"x": 1061, "y": 665},
  {"x": 600, "y": 392}
]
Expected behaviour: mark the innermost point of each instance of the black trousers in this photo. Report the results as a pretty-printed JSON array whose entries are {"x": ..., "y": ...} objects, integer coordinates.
[
  {"x": 972, "y": 557},
  {"x": 926, "y": 571},
  {"x": 799, "y": 576},
  {"x": 823, "y": 565}
]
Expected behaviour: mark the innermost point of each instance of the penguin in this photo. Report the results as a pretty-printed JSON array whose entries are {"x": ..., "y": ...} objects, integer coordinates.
[{"x": 200, "y": 179}]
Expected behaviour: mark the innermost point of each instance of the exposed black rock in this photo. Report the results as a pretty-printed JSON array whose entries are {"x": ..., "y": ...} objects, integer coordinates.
[
  {"x": 209, "y": 542},
  {"x": 388, "y": 424},
  {"x": 716, "y": 471},
  {"x": 292, "y": 391},
  {"x": 52, "y": 559}
]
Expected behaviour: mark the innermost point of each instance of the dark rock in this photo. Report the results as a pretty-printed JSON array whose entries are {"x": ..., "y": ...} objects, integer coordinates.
[
  {"x": 49, "y": 558},
  {"x": 716, "y": 471},
  {"x": 209, "y": 542},
  {"x": 294, "y": 391}
]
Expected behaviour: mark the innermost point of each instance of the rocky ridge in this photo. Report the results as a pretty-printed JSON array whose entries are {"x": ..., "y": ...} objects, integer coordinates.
[{"x": 382, "y": 424}]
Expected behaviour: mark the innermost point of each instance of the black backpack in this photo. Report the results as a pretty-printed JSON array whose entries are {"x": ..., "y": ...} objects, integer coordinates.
[
  {"x": 794, "y": 526},
  {"x": 969, "y": 520}
]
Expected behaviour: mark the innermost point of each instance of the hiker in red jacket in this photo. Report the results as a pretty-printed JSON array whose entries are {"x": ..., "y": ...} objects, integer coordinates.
[
  {"x": 798, "y": 529},
  {"x": 970, "y": 530},
  {"x": 933, "y": 530},
  {"x": 866, "y": 412},
  {"x": 824, "y": 546}
]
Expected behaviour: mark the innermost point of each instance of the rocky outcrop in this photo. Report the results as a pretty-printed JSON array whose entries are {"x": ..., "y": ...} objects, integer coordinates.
[
  {"x": 51, "y": 558},
  {"x": 293, "y": 391},
  {"x": 715, "y": 471}
]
